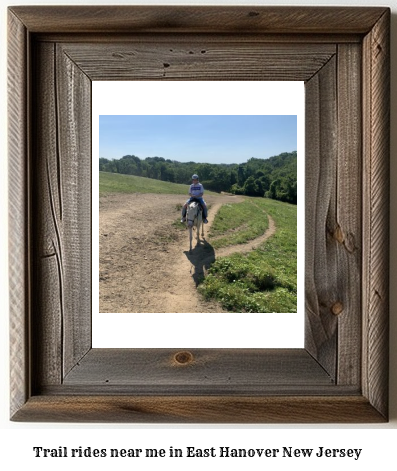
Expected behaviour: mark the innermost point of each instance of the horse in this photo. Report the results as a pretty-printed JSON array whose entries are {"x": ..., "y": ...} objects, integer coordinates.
[{"x": 194, "y": 218}]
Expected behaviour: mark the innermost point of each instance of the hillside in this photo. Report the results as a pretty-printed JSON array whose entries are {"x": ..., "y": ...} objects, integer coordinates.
[
  {"x": 246, "y": 262},
  {"x": 117, "y": 183},
  {"x": 275, "y": 177}
]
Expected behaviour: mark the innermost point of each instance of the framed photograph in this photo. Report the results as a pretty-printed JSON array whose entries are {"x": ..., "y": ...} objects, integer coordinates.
[
  {"x": 342, "y": 56},
  {"x": 148, "y": 274}
]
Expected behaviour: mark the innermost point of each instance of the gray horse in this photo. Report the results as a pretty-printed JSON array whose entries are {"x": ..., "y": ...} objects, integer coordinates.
[{"x": 194, "y": 218}]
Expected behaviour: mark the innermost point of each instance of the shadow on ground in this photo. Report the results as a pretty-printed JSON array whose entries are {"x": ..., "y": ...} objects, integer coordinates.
[{"x": 201, "y": 258}]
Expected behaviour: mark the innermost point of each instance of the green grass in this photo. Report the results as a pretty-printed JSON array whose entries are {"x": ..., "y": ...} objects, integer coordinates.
[
  {"x": 238, "y": 223},
  {"x": 118, "y": 183},
  {"x": 264, "y": 280}
]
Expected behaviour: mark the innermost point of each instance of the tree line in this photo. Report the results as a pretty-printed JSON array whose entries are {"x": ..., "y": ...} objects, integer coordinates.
[{"x": 275, "y": 177}]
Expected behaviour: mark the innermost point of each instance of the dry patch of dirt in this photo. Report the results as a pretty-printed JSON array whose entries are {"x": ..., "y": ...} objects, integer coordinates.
[{"x": 144, "y": 261}]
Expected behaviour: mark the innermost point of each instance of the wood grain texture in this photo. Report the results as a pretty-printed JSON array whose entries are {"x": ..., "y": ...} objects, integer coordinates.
[
  {"x": 74, "y": 144},
  {"x": 341, "y": 376},
  {"x": 205, "y": 60},
  {"x": 346, "y": 228},
  {"x": 62, "y": 207},
  {"x": 333, "y": 215},
  {"x": 198, "y": 19},
  {"x": 228, "y": 369},
  {"x": 321, "y": 277},
  {"x": 48, "y": 281},
  {"x": 199, "y": 409},
  {"x": 18, "y": 180},
  {"x": 376, "y": 91},
  {"x": 155, "y": 39}
]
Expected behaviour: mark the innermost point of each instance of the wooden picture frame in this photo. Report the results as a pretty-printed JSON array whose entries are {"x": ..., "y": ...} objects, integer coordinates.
[{"x": 342, "y": 54}]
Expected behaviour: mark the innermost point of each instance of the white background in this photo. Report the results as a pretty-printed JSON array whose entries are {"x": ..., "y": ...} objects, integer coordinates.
[
  {"x": 377, "y": 441},
  {"x": 120, "y": 330}
]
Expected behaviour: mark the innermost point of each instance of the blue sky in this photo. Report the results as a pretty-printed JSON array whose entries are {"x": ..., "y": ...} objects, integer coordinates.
[{"x": 213, "y": 139}]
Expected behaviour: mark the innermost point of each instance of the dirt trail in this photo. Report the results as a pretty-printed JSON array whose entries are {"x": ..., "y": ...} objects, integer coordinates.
[
  {"x": 145, "y": 265},
  {"x": 252, "y": 244}
]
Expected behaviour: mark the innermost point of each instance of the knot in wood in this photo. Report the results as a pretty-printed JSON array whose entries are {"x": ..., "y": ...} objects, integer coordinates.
[
  {"x": 337, "y": 308},
  {"x": 183, "y": 358},
  {"x": 338, "y": 235}
]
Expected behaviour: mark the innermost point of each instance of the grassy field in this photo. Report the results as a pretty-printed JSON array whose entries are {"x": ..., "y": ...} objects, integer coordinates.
[
  {"x": 264, "y": 280},
  {"x": 237, "y": 224},
  {"x": 117, "y": 183}
]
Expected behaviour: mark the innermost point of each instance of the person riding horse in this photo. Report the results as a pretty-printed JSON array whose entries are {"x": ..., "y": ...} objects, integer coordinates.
[{"x": 196, "y": 191}]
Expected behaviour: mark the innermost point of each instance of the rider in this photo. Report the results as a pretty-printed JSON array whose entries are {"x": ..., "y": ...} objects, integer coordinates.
[{"x": 196, "y": 191}]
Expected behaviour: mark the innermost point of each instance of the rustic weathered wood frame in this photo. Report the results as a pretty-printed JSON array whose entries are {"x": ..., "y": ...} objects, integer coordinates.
[{"x": 343, "y": 56}]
